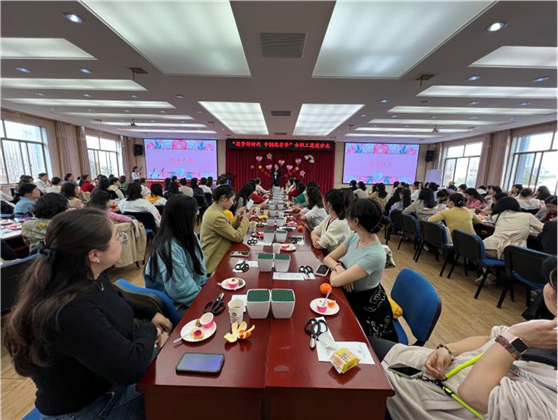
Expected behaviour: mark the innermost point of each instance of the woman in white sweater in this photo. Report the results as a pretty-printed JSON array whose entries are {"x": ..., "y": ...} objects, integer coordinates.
[
  {"x": 511, "y": 227},
  {"x": 334, "y": 229},
  {"x": 316, "y": 212},
  {"x": 134, "y": 203}
]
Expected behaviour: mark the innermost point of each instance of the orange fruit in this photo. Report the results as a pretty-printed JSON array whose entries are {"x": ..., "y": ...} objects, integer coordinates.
[
  {"x": 300, "y": 228},
  {"x": 325, "y": 287}
]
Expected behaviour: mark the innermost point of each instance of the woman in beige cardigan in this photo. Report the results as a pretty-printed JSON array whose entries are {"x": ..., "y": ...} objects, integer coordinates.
[
  {"x": 498, "y": 385},
  {"x": 334, "y": 229},
  {"x": 217, "y": 233}
]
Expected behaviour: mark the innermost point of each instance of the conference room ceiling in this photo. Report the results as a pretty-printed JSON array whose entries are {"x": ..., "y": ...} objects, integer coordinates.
[{"x": 320, "y": 70}]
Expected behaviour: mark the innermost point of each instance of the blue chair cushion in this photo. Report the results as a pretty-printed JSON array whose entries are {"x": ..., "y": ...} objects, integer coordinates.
[
  {"x": 148, "y": 231},
  {"x": 401, "y": 336},
  {"x": 33, "y": 415},
  {"x": 491, "y": 262}
]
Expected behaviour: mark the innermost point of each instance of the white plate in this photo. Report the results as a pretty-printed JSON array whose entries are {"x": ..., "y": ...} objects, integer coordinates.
[
  {"x": 241, "y": 284},
  {"x": 330, "y": 311},
  {"x": 288, "y": 247},
  {"x": 190, "y": 326}
]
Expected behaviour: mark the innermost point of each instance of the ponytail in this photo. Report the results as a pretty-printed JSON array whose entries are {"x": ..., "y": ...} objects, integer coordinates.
[{"x": 368, "y": 212}]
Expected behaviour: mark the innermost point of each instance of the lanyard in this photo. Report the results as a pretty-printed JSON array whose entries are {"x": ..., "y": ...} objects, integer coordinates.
[{"x": 452, "y": 394}]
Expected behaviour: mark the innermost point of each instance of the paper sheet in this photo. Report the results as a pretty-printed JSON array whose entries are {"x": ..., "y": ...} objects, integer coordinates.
[{"x": 293, "y": 276}]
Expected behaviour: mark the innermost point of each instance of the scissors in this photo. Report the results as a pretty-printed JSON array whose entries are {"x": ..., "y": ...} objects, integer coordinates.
[
  {"x": 242, "y": 266},
  {"x": 315, "y": 327},
  {"x": 306, "y": 269},
  {"x": 215, "y": 306},
  {"x": 252, "y": 241}
]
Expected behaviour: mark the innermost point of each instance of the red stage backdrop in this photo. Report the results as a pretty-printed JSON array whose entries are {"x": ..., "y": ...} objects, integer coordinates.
[{"x": 309, "y": 164}]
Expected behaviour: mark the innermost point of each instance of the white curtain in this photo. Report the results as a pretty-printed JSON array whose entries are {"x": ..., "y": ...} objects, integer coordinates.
[{"x": 82, "y": 147}]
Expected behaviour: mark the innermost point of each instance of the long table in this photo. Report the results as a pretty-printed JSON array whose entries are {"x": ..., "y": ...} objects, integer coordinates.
[{"x": 274, "y": 374}]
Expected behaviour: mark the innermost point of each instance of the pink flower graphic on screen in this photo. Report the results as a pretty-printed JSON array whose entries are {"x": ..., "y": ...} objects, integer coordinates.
[
  {"x": 380, "y": 149},
  {"x": 209, "y": 147},
  {"x": 179, "y": 145},
  {"x": 150, "y": 145},
  {"x": 411, "y": 151},
  {"x": 351, "y": 150}
]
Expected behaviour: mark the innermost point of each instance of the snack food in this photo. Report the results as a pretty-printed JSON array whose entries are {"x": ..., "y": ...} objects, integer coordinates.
[
  {"x": 197, "y": 334},
  {"x": 343, "y": 360},
  {"x": 325, "y": 287},
  {"x": 331, "y": 303}
]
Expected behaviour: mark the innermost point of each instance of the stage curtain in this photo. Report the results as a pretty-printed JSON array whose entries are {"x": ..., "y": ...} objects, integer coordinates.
[{"x": 244, "y": 165}]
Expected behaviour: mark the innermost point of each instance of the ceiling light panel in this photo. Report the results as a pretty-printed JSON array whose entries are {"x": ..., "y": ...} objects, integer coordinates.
[
  {"x": 467, "y": 110},
  {"x": 519, "y": 57},
  {"x": 411, "y": 130},
  {"x": 140, "y": 124},
  {"x": 183, "y": 38},
  {"x": 145, "y": 130},
  {"x": 490, "y": 92},
  {"x": 432, "y": 123},
  {"x": 71, "y": 84},
  {"x": 385, "y": 39},
  {"x": 407, "y": 136},
  {"x": 91, "y": 103},
  {"x": 109, "y": 115},
  {"x": 239, "y": 117},
  {"x": 322, "y": 119},
  {"x": 42, "y": 49}
]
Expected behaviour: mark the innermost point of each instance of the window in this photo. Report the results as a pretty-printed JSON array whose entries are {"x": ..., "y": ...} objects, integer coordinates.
[
  {"x": 104, "y": 156},
  {"x": 461, "y": 164},
  {"x": 22, "y": 151},
  {"x": 533, "y": 161}
]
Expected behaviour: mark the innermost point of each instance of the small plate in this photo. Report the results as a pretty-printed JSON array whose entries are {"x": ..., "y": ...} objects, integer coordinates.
[
  {"x": 190, "y": 326},
  {"x": 288, "y": 247},
  {"x": 14, "y": 227},
  {"x": 293, "y": 224},
  {"x": 241, "y": 283},
  {"x": 330, "y": 311},
  {"x": 7, "y": 222}
]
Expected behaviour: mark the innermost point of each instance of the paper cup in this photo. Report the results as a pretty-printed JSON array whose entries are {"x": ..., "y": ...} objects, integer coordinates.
[
  {"x": 276, "y": 248},
  {"x": 236, "y": 310}
]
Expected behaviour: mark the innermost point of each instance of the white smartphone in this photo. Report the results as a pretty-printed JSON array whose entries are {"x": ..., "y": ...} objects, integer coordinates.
[
  {"x": 249, "y": 205},
  {"x": 322, "y": 270},
  {"x": 405, "y": 371}
]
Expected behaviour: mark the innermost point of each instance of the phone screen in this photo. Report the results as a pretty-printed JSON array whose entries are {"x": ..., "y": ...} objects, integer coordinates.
[
  {"x": 322, "y": 269},
  {"x": 405, "y": 370},
  {"x": 201, "y": 363}
]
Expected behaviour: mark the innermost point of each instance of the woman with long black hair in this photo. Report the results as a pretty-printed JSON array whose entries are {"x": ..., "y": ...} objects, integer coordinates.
[
  {"x": 424, "y": 206},
  {"x": 70, "y": 330},
  {"x": 176, "y": 264}
]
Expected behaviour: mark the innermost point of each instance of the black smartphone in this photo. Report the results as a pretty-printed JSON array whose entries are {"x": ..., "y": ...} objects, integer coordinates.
[
  {"x": 405, "y": 371},
  {"x": 201, "y": 363},
  {"x": 322, "y": 270}
]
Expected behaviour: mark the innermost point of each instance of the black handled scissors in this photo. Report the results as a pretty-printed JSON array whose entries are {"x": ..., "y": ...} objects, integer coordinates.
[
  {"x": 315, "y": 327},
  {"x": 306, "y": 269},
  {"x": 252, "y": 241},
  {"x": 242, "y": 266},
  {"x": 215, "y": 306}
]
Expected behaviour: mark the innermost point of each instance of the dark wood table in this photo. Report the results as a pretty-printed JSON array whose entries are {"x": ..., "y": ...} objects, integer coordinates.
[{"x": 274, "y": 374}]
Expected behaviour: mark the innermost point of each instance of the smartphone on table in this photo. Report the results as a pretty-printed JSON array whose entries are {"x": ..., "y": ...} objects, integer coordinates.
[
  {"x": 322, "y": 270},
  {"x": 209, "y": 363},
  {"x": 405, "y": 371},
  {"x": 243, "y": 254}
]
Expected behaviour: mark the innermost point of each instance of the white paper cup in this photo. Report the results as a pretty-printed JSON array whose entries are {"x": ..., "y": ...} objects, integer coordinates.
[
  {"x": 236, "y": 310},
  {"x": 276, "y": 248}
]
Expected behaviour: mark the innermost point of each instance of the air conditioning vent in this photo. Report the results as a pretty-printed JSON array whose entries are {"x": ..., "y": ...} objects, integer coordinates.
[
  {"x": 138, "y": 70},
  {"x": 280, "y": 134},
  {"x": 282, "y": 45},
  {"x": 280, "y": 113}
]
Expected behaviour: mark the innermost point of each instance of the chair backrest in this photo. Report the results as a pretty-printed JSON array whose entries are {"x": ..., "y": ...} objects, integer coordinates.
[
  {"x": 149, "y": 297},
  {"x": 395, "y": 217},
  {"x": 468, "y": 245},
  {"x": 420, "y": 302},
  {"x": 144, "y": 217},
  {"x": 208, "y": 198},
  {"x": 410, "y": 224},
  {"x": 160, "y": 208},
  {"x": 200, "y": 200},
  {"x": 433, "y": 233},
  {"x": 11, "y": 276},
  {"x": 532, "y": 211},
  {"x": 525, "y": 263}
]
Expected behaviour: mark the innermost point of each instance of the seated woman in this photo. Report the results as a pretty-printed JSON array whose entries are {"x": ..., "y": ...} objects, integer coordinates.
[
  {"x": 394, "y": 198},
  {"x": 134, "y": 203},
  {"x": 114, "y": 187},
  {"x": 492, "y": 190},
  {"x": 124, "y": 183},
  {"x": 424, "y": 206},
  {"x": 155, "y": 197},
  {"x": 357, "y": 265},
  {"x": 380, "y": 194},
  {"x": 56, "y": 185},
  {"x": 29, "y": 194},
  {"x": 259, "y": 189},
  {"x": 456, "y": 216},
  {"x": 442, "y": 197},
  {"x": 509, "y": 374},
  {"x": 85, "y": 183},
  {"x": 72, "y": 333},
  {"x": 291, "y": 188},
  {"x": 243, "y": 196},
  {"x": 316, "y": 213},
  {"x": 549, "y": 212},
  {"x": 527, "y": 202},
  {"x": 195, "y": 187},
  {"x": 184, "y": 188},
  {"x": 404, "y": 200},
  {"x": 70, "y": 191},
  {"x": 173, "y": 189},
  {"x": 542, "y": 193},
  {"x": 361, "y": 192},
  {"x": 176, "y": 265},
  {"x": 301, "y": 198},
  {"x": 474, "y": 200},
  {"x": 45, "y": 208},
  {"x": 334, "y": 229},
  {"x": 516, "y": 190},
  {"x": 511, "y": 227},
  {"x": 100, "y": 200},
  {"x": 216, "y": 232}
]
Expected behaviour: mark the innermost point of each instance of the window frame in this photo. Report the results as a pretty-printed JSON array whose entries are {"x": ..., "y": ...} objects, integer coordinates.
[
  {"x": 446, "y": 159},
  {"x": 26, "y": 164},
  {"x": 95, "y": 151}
]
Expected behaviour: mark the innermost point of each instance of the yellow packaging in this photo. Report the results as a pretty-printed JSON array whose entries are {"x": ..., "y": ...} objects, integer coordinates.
[{"x": 343, "y": 360}]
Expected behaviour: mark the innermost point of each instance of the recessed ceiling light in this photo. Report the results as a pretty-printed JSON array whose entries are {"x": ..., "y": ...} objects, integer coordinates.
[
  {"x": 473, "y": 78},
  {"x": 23, "y": 69},
  {"x": 362, "y": 115},
  {"x": 73, "y": 17},
  {"x": 474, "y": 103},
  {"x": 126, "y": 110},
  {"x": 394, "y": 116},
  {"x": 240, "y": 117},
  {"x": 496, "y": 26},
  {"x": 163, "y": 112},
  {"x": 322, "y": 119},
  {"x": 93, "y": 102},
  {"x": 473, "y": 118},
  {"x": 140, "y": 130},
  {"x": 86, "y": 71},
  {"x": 433, "y": 117},
  {"x": 519, "y": 57},
  {"x": 118, "y": 115},
  {"x": 152, "y": 121},
  {"x": 524, "y": 103},
  {"x": 541, "y": 79},
  {"x": 411, "y": 130},
  {"x": 410, "y": 135},
  {"x": 384, "y": 101},
  {"x": 84, "y": 85},
  {"x": 159, "y": 124},
  {"x": 179, "y": 96},
  {"x": 134, "y": 96},
  {"x": 40, "y": 94},
  {"x": 87, "y": 95}
]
